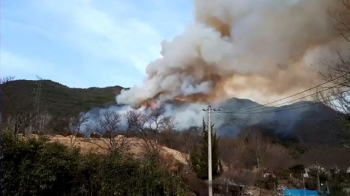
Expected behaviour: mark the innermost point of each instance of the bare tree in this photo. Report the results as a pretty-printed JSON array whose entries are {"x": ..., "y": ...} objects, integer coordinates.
[
  {"x": 4, "y": 93},
  {"x": 6, "y": 79},
  {"x": 337, "y": 94},
  {"x": 20, "y": 120},
  {"x": 45, "y": 118},
  {"x": 76, "y": 123},
  {"x": 169, "y": 124},
  {"x": 156, "y": 123},
  {"x": 136, "y": 122},
  {"x": 191, "y": 139},
  {"x": 168, "y": 136},
  {"x": 108, "y": 125},
  {"x": 41, "y": 123},
  {"x": 341, "y": 19},
  {"x": 140, "y": 123},
  {"x": 19, "y": 111},
  {"x": 231, "y": 152},
  {"x": 255, "y": 140},
  {"x": 155, "y": 120},
  {"x": 277, "y": 158},
  {"x": 257, "y": 145},
  {"x": 3, "y": 82}
]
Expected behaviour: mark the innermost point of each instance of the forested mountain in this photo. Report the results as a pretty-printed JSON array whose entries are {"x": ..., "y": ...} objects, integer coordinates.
[{"x": 24, "y": 100}]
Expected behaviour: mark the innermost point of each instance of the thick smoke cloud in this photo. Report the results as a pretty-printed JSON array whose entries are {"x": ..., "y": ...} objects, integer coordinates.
[{"x": 238, "y": 47}]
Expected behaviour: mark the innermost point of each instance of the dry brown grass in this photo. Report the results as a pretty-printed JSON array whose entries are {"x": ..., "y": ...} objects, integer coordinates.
[{"x": 136, "y": 146}]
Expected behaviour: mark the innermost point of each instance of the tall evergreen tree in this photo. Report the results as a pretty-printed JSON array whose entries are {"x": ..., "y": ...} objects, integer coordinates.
[{"x": 199, "y": 155}]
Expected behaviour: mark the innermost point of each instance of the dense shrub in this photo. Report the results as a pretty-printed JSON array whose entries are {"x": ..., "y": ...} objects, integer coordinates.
[{"x": 37, "y": 167}]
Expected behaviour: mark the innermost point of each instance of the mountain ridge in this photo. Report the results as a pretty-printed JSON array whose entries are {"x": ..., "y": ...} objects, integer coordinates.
[
  {"x": 312, "y": 121},
  {"x": 53, "y": 96},
  {"x": 62, "y": 101}
]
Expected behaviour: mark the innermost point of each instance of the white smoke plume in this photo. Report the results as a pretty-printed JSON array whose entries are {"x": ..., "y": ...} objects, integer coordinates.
[
  {"x": 187, "y": 113},
  {"x": 241, "y": 48}
]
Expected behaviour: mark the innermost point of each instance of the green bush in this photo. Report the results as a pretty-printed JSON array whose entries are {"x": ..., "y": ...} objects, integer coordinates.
[{"x": 37, "y": 167}]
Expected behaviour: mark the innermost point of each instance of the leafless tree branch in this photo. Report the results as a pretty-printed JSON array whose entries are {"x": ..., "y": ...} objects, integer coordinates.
[
  {"x": 337, "y": 93},
  {"x": 76, "y": 126},
  {"x": 108, "y": 125}
]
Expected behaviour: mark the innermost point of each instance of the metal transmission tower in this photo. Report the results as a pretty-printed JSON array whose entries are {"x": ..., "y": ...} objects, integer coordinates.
[
  {"x": 37, "y": 99},
  {"x": 210, "y": 167}
]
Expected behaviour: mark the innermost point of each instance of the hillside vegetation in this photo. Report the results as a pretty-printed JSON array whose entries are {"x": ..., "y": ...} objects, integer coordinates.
[
  {"x": 39, "y": 103},
  {"x": 57, "y": 99}
]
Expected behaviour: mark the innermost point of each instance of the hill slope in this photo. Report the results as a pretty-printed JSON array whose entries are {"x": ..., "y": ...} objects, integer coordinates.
[
  {"x": 55, "y": 98},
  {"x": 306, "y": 120}
]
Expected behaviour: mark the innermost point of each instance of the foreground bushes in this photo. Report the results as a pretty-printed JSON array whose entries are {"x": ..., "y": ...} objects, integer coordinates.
[{"x": 36, "y": 167}]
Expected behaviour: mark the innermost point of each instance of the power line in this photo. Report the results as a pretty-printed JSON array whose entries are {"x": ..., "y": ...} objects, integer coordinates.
[
  {"x": 235, "y": 118},
  {"x": 271, "y": 109},
  {"x": 229, "y": 122},
  {"x": 293, "y": 95},
  {"x": 37, "y": 100},
  {"x": 279, "y": 122},
  {"x": 293, "y": 101},
  {"x": 303, "y": 105}
]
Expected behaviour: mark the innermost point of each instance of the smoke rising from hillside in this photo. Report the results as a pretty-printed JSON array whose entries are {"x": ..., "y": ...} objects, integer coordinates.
[
  {"x": 185, "y": 115},
  {"x": 236, "y": 47}
]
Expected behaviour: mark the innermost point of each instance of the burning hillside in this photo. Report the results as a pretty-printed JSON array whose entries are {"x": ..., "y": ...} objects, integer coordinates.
[{"x": 150, "y": 103}]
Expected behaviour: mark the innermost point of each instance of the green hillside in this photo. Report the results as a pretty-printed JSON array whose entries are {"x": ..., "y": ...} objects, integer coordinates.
[{"x": 46, "y": 96}]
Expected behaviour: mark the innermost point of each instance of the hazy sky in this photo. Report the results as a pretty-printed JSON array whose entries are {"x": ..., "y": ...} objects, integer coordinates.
[{"x": 85, "y": 43}]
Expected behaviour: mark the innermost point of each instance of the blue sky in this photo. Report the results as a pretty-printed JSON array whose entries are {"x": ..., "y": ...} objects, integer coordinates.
[{"x": 85, "y": 43}]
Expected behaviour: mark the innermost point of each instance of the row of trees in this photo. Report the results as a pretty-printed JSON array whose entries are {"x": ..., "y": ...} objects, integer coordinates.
[{"x": 115, "y": 128}]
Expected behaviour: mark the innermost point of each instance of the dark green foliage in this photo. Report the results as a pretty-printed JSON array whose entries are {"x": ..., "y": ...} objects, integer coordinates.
[
  {"x": 58, "y": 100},
  {"x": 35, "y": 167},
  {"x": 199, "y": 155},
  {"x": 38, "y": 167}
]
